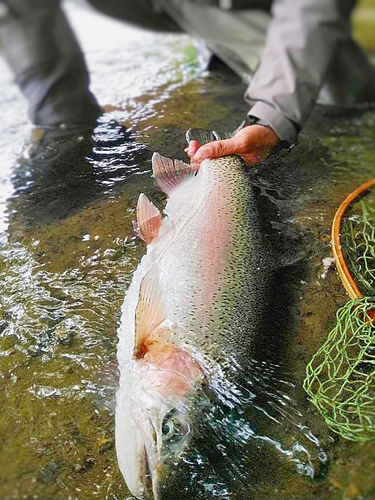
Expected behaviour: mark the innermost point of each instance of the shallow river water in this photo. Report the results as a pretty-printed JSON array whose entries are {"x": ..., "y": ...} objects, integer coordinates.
[{"x": 68, "y": 252}]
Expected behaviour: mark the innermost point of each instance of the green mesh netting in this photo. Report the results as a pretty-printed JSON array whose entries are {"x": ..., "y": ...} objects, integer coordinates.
[
  {"x": 340, "y": 378},
  {"x": 358, "y": 245}
]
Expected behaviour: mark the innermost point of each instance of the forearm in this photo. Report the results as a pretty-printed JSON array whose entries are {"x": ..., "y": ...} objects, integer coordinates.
[{"x": 302, "y": 41}]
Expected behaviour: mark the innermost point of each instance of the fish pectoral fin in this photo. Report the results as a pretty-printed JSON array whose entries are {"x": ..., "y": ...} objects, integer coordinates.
[
  {"x": 148, "y": 219},
  {"x": 169, "y": 174},
  {"x": 149, "y": 313}
]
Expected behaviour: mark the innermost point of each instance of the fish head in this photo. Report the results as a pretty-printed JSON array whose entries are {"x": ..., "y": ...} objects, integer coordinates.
[{"x": 153, "y": 421}]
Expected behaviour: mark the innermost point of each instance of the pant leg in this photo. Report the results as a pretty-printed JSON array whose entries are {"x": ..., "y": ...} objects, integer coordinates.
[
  {"x": 146, "y": 14},
  {"x": 351, "y": 79},
  {"x": 41, "y": 49},
  {"x": 236, "y": 36}
]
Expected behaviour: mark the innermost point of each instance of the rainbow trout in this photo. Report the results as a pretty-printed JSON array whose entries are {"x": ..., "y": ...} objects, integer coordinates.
[{"x": 196, "y": 357}]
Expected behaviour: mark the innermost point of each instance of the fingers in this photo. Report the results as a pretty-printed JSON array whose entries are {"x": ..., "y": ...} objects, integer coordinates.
[
  {"x": 214, "y": 150},
  {"x": 192, "y": 148},
  {"x": 253, "y": 143}
]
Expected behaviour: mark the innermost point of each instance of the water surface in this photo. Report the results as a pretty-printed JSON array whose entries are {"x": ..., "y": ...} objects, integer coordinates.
[{"x": 68, "y": 251}]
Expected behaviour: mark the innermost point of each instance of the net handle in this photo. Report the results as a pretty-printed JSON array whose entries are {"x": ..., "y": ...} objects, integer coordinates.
[{"x": 344, "y": 273}]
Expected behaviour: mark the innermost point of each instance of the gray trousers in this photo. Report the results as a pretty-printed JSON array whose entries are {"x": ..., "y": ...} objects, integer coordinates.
[
  {"x": 50, "y": 70},
  {"x": 48, "y": 65}
]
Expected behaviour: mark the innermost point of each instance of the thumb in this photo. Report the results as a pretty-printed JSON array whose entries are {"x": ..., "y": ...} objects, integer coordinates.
[{"x": 214, "y": 150}]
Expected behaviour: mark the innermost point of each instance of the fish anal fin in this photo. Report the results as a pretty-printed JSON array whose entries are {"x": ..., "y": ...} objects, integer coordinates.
[
  {"x": 149, "y": 313},
  {"x": 169, "y": 174},
  {"x": 148, "y": 219}
]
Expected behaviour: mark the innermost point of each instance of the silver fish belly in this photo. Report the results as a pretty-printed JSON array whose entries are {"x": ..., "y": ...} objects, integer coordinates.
[{"x": 190, "y": 329}]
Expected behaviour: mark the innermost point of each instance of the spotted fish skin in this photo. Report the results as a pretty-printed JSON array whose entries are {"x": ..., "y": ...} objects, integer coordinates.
[
  {"x": 193, "y": 344},
  {"x": 216, "y": 265}
]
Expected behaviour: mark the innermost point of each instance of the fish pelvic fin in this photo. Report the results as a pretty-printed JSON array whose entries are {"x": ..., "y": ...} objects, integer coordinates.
[
  {"x": 169, "y": 174},
  {"x": 149, "y": 313},
  {"x": 204, "y": 136},
  {"x": 148, "y": 219}
]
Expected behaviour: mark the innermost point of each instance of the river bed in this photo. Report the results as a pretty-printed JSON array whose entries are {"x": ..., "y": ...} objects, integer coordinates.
[{"x": 67, "y": 257}]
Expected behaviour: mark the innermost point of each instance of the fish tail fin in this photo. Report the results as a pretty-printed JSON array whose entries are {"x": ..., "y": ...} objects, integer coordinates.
[
  {"x": 201, "y": 135},
  {"x": 204, "y": 136}
]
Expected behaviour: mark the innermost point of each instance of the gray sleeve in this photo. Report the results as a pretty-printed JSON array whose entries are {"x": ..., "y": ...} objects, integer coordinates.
[{"x": 302, "y": 40}]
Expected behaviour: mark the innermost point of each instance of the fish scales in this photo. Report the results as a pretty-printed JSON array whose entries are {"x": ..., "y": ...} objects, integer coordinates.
[
  {"x": 192, "y": 315},
  {"x": 210, "y": 271}
]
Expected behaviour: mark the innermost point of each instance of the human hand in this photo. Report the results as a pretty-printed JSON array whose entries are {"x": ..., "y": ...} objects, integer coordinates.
[{"x": 253, "y": 143}]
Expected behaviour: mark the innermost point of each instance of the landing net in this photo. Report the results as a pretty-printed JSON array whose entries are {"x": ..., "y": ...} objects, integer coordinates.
[{"x": 340, "y": 378}]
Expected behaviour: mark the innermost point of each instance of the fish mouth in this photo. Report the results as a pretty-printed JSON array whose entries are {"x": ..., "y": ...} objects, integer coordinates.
[
  {"x": 170, "y": 437},
  {"x": 148, "y": 443},
  {"x": 149, "y": 475},
  {"x": 151, "y": 479},
  {"x": 141, "y": 485},
  {"x": 152, "y": 431},
  {"x": 144, "y": 482},
  {"x": 148, "y": 479},
  {"x": 139, "y": 463},
  {"x": 142, "y": 473}
]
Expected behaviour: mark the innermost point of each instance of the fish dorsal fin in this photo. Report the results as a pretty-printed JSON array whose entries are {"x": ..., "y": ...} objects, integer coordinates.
[
  {"x": 148, "y": 219},
  {"x": 169, "y": 174},
  {"x": 204, "y": 136},
  {"x": 149, "y": 313}
]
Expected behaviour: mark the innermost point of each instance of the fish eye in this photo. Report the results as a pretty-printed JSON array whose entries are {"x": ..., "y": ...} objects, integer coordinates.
[{"x": 174, "y": 428}]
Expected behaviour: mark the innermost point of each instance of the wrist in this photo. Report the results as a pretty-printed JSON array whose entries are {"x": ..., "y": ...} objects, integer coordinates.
[
  {"x": 276, "y": 143},
  {"x": 286, "y": 129}
]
